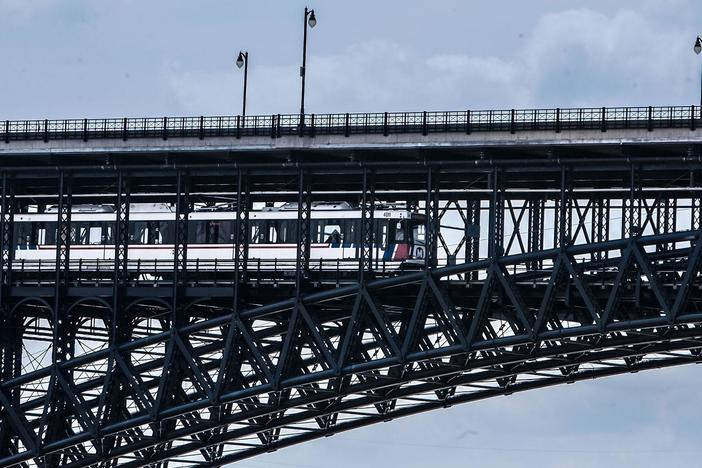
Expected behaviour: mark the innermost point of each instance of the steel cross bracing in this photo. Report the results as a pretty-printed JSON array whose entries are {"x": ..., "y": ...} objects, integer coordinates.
[{"x": 541, "y": 269}]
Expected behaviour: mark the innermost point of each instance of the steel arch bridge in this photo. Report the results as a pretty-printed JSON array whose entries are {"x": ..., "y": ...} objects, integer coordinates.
[{"x": 562, "y": 245}]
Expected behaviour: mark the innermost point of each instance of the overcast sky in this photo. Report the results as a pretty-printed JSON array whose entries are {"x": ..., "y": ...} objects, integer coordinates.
[{"x": 73, "y": 58}]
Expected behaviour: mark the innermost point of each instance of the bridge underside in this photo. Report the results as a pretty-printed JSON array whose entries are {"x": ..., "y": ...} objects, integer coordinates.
[
  {"x": 544, "y": 266},
  {"x": 228, "y": 385}
]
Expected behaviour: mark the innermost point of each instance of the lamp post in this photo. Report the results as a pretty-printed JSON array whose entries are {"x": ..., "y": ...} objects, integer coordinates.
[
  {"x": 698, "y": 49},
  {"x": 243, "y": 61},
  {"x": 311, "y": 21}
]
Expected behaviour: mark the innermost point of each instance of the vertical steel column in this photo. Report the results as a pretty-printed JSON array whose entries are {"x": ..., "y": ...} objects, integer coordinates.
[
  {"x": 535, "y": 236},
  {"x": 367, "y": 222},
  {"x": 631, "y": 215},
  {"x": 63, "y": 324},
  {"x": 120, "y": 321},
  {"x": 112, "y": 402},
  {"x": 304, "y": 211},
  {"x": 431, "y": 213},
  {"x": 666, "y": 214},
  {"x": 241, "y": 228},
  {"x": 472, "y": 234},
  {"x": 7, "y": 205},
  {"x": 497, "y": 213},
  {"x": 243, "y": 207},
  {"x": 600, "y": 225},
  {"x": 180, "y": 253},
  {"x": 121, "y": 236},
  {"x": 10, "y": 327},
  {"x": 563, "y": 210},
  {"x": 696, "y": 201}
]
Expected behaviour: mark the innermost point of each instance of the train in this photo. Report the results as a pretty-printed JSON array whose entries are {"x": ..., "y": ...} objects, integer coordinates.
[{"x": 335, "y": 232}]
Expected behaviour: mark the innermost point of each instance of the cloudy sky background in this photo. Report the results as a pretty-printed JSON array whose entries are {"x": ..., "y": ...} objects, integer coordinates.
[{"x": 73, "y": 58}]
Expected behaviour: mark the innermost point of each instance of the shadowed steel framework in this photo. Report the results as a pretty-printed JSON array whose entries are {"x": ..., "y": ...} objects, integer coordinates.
[{"x": 561, "y": 245}]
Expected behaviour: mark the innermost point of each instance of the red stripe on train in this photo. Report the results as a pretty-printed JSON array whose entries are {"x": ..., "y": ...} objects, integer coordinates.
[{"x": 401, "y": 252}]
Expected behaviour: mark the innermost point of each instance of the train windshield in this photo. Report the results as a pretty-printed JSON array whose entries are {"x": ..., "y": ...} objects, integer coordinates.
[{"x": 417, "y": 230}]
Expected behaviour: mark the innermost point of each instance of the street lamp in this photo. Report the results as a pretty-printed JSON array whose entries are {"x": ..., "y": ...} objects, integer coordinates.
[
  {"x": 698, "y": 50},
  {"x": 243, "y": 61},
  {"x": 311, "y": 21}
]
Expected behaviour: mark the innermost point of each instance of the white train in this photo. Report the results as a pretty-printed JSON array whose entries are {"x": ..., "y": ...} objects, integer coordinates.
[{"x": 335, "y": 233}]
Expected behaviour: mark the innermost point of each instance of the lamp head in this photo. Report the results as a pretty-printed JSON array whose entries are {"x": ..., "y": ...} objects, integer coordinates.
[
  {"x": 240, "y": 60},
  {"x": 312, "y": 21},
  {"x": 698, "y": 45}
]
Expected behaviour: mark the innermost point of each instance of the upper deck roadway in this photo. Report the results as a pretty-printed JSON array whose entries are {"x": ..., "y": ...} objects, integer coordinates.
[
  {"x": 330, "y": 132},
  {"x": 561, "y": 245}
]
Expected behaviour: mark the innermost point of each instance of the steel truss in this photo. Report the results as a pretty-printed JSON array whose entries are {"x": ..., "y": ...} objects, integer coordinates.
[
  {"x": 325, "y": 362},
  {"x": 536, "y": 273}
]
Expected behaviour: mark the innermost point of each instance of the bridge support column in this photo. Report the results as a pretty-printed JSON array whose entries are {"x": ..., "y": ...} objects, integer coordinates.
[
  {"x": 180, "y": 254},
  {"x": 431, "y": 212},
  {"x": 497, "y": 213},
  {"x": 564, "y": 206},
  {"x": 631, "y": 208},
  {"x": 63, "y": 325},
  {"x": 666, "y": 219},
  {"x": 241, "y": 228},
  {"x": 304, "y": 208},
  {"x": 600, "y": 225},
  {"x": 535, "y": 237},
  {"x": 112, "y": 399},
  {"x": 10, "y": 326},
  {"x": 696, "y": 200},
  {"x": 472, "y": 234},
  {"x": 367, "y": 231}
]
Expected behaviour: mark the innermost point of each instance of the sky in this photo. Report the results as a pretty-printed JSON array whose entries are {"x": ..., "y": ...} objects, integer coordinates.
[{"x": 91, "y": 58}]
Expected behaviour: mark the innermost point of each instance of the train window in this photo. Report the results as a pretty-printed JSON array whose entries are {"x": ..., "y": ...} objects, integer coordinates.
[
  {"x": 287, "y": 231},
  {"x": 258, "y": 232},
  {"x": 272, "y": 237},
  {"x": 41, "y": 234},
  {"x": 80, "y": 233},
  {"x": 221, "y": 232},
  {"x": 381, "y": 233},
  {"x": 352, "y": 231},
  {"x": 399, "y": 232},
  {"x": 333, "y": 234},
  {"x": 138, "y": 232},
  {"x": 46, "y": 233},
  {"x": 95, "y": 235},
  {"x": 197, "y": 232},
  {"x": 23, "y": 233},
  {"x": 209, "y": 232},
  {"x": 155, "y": 236},
  {"x": 107, "y": 229},
  {"x": 164, "y": 232},
  {"x": 328, "y": 231},
  {"x": 418, "y": 232}
]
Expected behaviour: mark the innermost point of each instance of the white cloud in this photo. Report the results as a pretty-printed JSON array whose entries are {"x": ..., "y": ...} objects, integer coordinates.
[{"x": 572, "y": 57}]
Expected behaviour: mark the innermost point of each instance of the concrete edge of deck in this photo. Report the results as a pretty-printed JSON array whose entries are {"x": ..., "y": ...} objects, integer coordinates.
[{"x": 453, "y": 140}]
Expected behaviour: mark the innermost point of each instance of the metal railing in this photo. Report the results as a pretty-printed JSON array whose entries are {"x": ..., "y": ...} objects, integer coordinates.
[
  {"x": 386, "y": 123},
  {"x": 213, "y": 272}
]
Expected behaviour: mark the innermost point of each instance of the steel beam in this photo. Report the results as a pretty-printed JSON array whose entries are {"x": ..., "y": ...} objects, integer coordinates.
[{"x": 367, "y": 223}]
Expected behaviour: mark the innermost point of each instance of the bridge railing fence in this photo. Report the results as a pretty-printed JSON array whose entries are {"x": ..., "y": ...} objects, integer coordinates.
[
  {"x": 100, "y": 272},
  {"x": 279, "y": 125}
]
